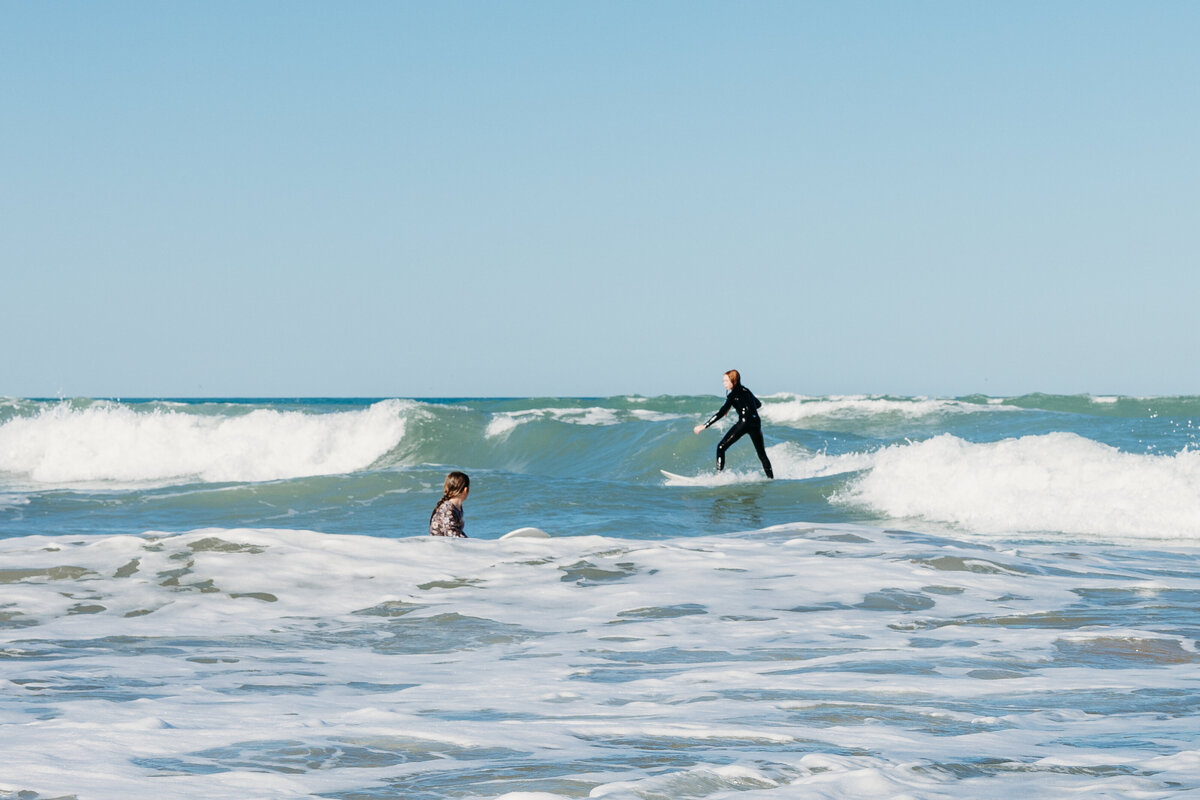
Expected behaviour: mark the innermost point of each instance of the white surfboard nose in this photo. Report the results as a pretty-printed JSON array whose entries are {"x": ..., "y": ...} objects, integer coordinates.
[{"x": 526, "y": 533}]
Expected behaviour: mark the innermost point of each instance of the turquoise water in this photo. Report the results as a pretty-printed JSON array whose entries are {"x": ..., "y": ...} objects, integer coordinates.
[
  {"x": 938, "y": 597},
  {"x": 591, "y": 466}
]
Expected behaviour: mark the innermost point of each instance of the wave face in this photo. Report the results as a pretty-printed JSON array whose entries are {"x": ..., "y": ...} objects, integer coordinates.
[{"x": 1039, "y": 464}]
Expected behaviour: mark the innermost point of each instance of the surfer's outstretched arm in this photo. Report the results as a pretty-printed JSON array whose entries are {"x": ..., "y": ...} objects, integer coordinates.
[{"x": 724, "y": 410}]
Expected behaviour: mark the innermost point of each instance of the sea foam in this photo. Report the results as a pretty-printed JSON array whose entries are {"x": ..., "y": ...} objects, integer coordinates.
[
  {"x": 1059, "y": 482},
  {"x": 504, "y": 422},
  {"x": 833, "y": 661},
  {"x": 800, "y": 410},
  {"x": 123, "y": 444}
]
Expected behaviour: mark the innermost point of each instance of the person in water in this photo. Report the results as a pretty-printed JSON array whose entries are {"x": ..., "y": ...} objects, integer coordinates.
[
  {"x": 447, "y": 516},
  {"x": 747, "y": 405}
]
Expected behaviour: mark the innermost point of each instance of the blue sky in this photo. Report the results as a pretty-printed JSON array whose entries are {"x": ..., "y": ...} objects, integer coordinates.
[{"x": 547, "y": 198}]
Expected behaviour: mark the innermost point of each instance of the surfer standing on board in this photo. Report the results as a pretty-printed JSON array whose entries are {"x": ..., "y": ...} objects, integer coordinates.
[
  {"x": 447, "y": 516},
  {"x": 742, "y": 399}
]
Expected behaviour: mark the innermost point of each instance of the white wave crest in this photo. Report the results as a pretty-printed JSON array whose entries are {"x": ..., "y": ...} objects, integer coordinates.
[
  {"x": 789, "y": 409},
  {"x": 504, "y": 422},
  {"x": 793, "y": 462},
  {"x": 1054, "y": 482},
  {"x": 117, "y": 443}
]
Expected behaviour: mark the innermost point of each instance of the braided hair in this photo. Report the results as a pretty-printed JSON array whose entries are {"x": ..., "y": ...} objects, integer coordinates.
[{"x": 456, "y": 483}]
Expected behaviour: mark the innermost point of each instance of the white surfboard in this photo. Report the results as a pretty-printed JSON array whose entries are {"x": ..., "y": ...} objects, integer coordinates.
[
  {"x": 526, "y": 533},
  {"x": 686, "y": 480},
  {"x": 711, "y": 479}
]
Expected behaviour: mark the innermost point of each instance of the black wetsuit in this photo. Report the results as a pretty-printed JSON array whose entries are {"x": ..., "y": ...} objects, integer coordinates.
[{"x": 746, "y": 404}]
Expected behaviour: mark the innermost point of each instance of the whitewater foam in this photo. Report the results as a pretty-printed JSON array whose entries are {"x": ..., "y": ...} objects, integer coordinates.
[
  {"x": 115, "y": 443},
  {"x": 796, "y": 463},
  {"x": 504, "y": 422},
  {"x": 833, "y": 661},
  {"x": 798, "y": 410},
  {"x": 1058, "y": 482},
  {"x": 8, "y": 501},
  {"x": 790, "y": 462}
]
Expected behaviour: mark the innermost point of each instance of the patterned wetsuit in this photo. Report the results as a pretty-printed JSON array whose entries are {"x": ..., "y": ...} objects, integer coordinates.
[
  {"x": 747, "y": 405},
  {"x": 447, "y": 520}
]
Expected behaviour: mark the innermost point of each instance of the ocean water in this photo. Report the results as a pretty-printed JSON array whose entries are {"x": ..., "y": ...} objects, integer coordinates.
[{"x": 937, "y": 598}]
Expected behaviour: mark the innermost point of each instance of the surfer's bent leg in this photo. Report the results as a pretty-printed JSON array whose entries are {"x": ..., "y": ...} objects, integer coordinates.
[
  {"x": 756, "y": 437},
  {"x": 731, "y": 436}
]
